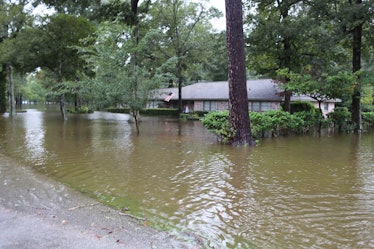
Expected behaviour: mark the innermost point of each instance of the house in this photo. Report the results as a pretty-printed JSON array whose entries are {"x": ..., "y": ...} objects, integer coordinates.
[{"x": 263, "y": 95}]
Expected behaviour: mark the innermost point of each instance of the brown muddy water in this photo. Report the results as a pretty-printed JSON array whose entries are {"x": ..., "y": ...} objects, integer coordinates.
[{"x": 294, "y": 192}]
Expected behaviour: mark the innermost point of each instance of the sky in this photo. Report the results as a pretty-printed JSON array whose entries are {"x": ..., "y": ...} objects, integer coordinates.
[{"x": 219, "y": 24}]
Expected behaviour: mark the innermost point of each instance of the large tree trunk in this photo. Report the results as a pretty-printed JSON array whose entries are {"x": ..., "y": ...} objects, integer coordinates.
[
  {"x": 2, "y": 91},
  {"x": 11, "y": 98},
  {"x": 180, "y": 82},
  {"x": 287, "y": 100},
  {"x": 286, "y": 62},
  {"x": 238, "y": 96},
  {"x": 356, "y": 66},
  {"x": 61, "y": 97}
]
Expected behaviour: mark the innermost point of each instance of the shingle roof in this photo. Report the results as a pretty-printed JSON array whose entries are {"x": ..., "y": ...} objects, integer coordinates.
[
  {"x": 258, "y": 90},
  {"x": 264, "y": 89}
]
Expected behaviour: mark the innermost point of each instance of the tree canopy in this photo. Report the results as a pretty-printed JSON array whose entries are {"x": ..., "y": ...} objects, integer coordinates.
[{"x": 175, "y": 41}]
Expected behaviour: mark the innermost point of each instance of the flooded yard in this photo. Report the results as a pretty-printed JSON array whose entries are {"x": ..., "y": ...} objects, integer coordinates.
[{"x": 293, "y": 192}]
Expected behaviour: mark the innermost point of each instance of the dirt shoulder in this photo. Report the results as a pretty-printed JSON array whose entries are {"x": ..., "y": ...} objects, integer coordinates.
[{"x": 36, "y": 212}]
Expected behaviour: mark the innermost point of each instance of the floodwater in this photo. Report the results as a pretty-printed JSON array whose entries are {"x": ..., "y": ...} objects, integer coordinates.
[{"x": 294, "y": 192}]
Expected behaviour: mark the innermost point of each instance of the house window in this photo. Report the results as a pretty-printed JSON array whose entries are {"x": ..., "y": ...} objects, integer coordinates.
[
  {"x": 152, "y": 104},
  {"x": 326, "y": 106},
  {"x": 256, "y": 107},
  {"x": 210, "y": 106},
  {"x": 265, "y": 106}
]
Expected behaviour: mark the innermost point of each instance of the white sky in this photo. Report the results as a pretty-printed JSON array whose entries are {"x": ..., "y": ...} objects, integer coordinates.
[{"x": 219, "y": 24}]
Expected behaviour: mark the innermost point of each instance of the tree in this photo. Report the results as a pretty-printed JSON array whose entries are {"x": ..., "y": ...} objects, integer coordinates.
[
  {"x": 33, "y": 91},
  {"x": 57, "y": 52},
  {"x": 213, "y": 64},
  {"x": 2, "y": 91},
  {"x": 353, "y": 23},
  {"x": 277, "y": 39},
  {"x": 182, "y": 32},
  {"x": 238, "y": 96},
  {"x": 319, "y": 86},
  {"x": 13, "y": 19},
  {"x": 86, "y": 8},
  {"x": 3, "y": 36},
  {"x": 356, "y": 63},
  {"x": 117, "y": 80}
]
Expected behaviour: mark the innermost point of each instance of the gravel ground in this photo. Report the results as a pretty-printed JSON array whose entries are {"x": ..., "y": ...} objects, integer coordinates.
[{"x": 37, "y": 212}]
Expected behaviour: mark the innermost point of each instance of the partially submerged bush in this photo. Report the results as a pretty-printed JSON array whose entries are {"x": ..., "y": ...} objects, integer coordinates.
[
  {"x": 340, "y": 118},
  {"x": 302, "y": 106},
  {"x": 275, "y": 123},
  {"x": 368, "y": 118},
  {"x": 160, "y": 112},
  {"x": 80, "y": 110},
  {"x": 269, "y": 123},
  {"x": 219, "y": 123}
]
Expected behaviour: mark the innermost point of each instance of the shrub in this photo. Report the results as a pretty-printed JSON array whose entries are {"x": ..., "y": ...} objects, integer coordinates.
[
  {"x": 309, "y": 120},
  {"x": 189, "y": 116},
  {"x": 302, "y": 106},
  {"x": 219, "y": 123},
  {"x": 80, "y": 110},
  {"x": 340, "y": 117},
  {"x": 368, "y": 118},
  {"x": 269, "y": 123},
  {"x": 160, "y": 112},
  {"x": 201, "y": 113},
  {"x": 119, "y": 110},
  {"x": 260, "y": 124}
]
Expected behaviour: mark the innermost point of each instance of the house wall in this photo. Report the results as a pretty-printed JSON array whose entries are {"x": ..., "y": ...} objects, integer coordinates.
[
  {"x": 262, "y": 106},
  {"x": 326, "y": 107},
  {"x": 210, "y": 105},
  {"x": 258, "y": 106},
  {"x": 200, "y": 105}
]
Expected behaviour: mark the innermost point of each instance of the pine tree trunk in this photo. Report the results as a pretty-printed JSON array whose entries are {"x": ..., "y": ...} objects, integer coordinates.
[
  {"x": 180, "y": 81},
  {"x": 287, "y": 62},
  {"x": 356, "y": 66},
  {"x": 238, "y": 96},
  {"x": 2, "y": 91}
]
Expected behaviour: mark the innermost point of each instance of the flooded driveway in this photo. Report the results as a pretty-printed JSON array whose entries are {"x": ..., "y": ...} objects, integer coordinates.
[{"x": 295, "y": 192}]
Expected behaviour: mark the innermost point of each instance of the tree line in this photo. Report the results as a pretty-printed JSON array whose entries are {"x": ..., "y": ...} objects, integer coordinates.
[{"x": 113, "y": 53}]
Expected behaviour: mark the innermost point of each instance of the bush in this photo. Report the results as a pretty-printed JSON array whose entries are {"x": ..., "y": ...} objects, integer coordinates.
[
  {"x": 269, "y": 123},
  {"x": 368, "y": 108},
  {"x": 80, "y": 110},
  {"x": 302, "y": 106},
  {"x": 340, "y": 117},
  {"x": 368, "y": 118},
  {"x": 201, "y": 113},
  {"x": 260, "y": 124},
  {"x": 219, "y": 123},
  {"x": 189, "y": 116},
  {"x": 160, "y": 112},
  {"x": 119, "y": 110}
]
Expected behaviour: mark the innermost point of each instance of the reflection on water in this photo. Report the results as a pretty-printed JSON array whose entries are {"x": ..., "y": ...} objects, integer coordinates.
[{"x": 300, "y": 192}]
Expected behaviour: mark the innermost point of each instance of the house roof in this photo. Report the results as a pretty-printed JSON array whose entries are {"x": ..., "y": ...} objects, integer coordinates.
[{"x": 258, "y": 90}]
